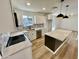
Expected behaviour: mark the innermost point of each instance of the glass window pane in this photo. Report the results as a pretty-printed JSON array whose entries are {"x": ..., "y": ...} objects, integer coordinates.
[{"x": 27, "y": 21}]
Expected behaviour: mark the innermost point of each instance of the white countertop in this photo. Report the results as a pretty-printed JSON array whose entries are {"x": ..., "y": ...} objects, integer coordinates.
[
  {"x": 16, "y": 48},
  {"x": 59, "y": 34}
]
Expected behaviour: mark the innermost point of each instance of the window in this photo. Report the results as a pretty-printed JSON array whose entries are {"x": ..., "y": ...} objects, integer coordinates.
[{"x": 27, "y": 21}]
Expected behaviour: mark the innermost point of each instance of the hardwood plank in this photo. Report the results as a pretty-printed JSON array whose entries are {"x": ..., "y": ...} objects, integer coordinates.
[{"x": 70, "y": 50}]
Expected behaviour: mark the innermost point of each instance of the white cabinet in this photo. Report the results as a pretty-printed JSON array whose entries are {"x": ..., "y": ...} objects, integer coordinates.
[
  {"x": 43, "y": 31},
  {"x": 31, "y": 34},
  {"x": 39, "y": 19},
  {"x": 18, "y": 55},
  {"x": 50, "y": 16},
  {"x": 23, "y": 54},
  {"x": 6, "y": 19}
]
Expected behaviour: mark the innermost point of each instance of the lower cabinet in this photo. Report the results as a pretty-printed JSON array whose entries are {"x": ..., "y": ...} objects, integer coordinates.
[
  {"x": 31, "y": 35},
  {"x": 24, "y": 54},
  {"x": 34, "y": 34},
  {"x": 38, "y": 33}
]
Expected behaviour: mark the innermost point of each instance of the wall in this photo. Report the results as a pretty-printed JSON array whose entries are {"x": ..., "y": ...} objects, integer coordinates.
[
  {"x": 6, "y": 19},
  {"x": 70, "y": 24}
]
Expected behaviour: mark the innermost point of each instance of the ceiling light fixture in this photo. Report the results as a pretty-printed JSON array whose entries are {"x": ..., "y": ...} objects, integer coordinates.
[
  {"x": 60, "y": 15},
  {"x": 44, "y": 8},
  {"x": 28, "y": 4},
  {"x": 65, "y": 16},
  {"x": 66, "y": 12}
]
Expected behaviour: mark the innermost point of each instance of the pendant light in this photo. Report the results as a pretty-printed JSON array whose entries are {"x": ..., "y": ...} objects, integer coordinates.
[
  {"x": 60, "y": 15},
  {"x": 66, "y": 12}
]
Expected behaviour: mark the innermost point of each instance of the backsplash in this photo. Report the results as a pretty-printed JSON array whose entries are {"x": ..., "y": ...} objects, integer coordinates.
[
  {"x": 34, "y": 26},
  {"x": 38, "y": 25}
]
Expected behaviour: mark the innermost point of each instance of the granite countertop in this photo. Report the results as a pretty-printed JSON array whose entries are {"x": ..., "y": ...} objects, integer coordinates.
[
  {"x": 34, "y": 29},
  {"x": 59, "y": 34}
]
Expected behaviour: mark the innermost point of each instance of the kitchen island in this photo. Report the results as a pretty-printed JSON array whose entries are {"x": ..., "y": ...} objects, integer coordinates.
[{"x": 56, "y": 39}]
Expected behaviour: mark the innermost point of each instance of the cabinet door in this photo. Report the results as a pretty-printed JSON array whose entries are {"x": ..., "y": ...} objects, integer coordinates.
[
  {"x": 30, "y": 35},
  {"x": 6, "y": 19},
  {"x": 27, "y": 34},
  {"x": 33, "y": 35},
  {"x": 49, "y": 16},
  {"x": 50, "y": 42},
  {"x": 39, "y": 33},
  {"x": 23, "y": 54},
  {"x": 18, "y": 55},
  {"x": 40, "y": 19}
]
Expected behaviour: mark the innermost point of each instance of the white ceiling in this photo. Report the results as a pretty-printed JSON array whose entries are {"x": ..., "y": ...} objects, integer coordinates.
[{"x": 37, "y": 5}]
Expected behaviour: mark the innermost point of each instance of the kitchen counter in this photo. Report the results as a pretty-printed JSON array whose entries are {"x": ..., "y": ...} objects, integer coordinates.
[
  {"x": 59, "y": 34},
  {"x": 34, "y": 29},
  {"x": 33, "y": 33}
]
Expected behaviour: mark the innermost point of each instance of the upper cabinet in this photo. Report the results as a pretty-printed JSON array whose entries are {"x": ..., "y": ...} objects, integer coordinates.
[
  {"x": 49, "y": 16},
  {"x": 6, "y": 19},
  {"x": 39, "y": 19}
]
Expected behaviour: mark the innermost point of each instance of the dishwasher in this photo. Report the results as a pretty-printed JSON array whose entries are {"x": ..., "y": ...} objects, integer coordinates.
[{"x": 18, "y": 47}]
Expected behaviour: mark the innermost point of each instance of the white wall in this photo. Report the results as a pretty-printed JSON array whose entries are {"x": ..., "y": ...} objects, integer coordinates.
[
  {"x": 6, "y": 20},
  {"x": 70, "y": 24}
]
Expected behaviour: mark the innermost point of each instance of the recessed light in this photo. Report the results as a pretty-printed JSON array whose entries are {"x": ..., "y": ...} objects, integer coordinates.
[
  {"x": 44, "y": 8},
  {"x": 28, "y": 4}
]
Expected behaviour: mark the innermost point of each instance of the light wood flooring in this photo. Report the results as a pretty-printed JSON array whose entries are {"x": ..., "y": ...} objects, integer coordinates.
[{"x": 69, "y": 51}]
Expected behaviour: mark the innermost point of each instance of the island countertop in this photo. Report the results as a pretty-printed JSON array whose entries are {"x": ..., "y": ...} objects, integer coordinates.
[{"x": 59, "y": 34}]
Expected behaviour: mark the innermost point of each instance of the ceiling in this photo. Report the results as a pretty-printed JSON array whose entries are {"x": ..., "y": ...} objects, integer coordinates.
[{"x": 37, "y": 5}]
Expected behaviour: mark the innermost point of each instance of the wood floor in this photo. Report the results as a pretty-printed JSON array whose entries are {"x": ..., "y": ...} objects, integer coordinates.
[{"x": 69, "y": 50}]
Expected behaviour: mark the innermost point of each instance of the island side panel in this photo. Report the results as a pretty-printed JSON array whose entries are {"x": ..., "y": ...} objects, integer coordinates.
[{"x": 50, "y": 42}]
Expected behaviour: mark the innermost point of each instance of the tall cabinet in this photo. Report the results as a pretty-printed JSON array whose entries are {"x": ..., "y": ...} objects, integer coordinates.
[{"x": 6, "y": 19}]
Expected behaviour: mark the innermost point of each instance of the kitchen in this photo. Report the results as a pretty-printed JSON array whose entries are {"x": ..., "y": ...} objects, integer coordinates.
[{"x": 38, "y": 22}]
